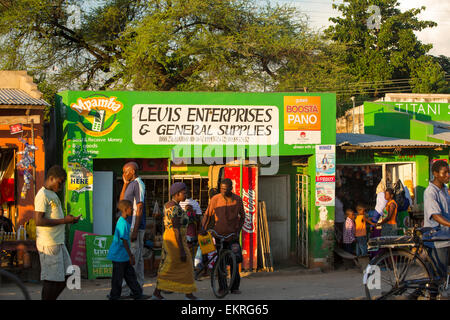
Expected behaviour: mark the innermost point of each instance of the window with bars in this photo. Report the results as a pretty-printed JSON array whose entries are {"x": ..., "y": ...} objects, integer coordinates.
[{"x": 157, "y": 191}]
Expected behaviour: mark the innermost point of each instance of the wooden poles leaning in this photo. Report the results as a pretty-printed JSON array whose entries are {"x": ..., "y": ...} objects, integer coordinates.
[{"x": 266, "y": 263}]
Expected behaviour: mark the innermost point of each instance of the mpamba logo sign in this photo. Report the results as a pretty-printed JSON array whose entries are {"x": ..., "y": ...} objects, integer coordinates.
[{"x": 97, "y": 115}]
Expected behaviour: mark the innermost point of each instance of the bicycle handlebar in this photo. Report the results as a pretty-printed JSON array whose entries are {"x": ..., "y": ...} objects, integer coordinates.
[{"x": 219, "y": 236}]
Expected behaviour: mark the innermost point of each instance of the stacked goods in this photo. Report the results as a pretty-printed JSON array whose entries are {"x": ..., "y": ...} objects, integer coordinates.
[{"x": 264, "y": 253}]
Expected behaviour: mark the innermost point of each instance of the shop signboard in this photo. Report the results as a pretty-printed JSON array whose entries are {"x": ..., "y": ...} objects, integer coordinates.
[
  {"x": 15, "y": 128},
  {"x": 204, "y": 124},
  {"x": 97, "y": 247},
  {"x": 99, "y": 124},
  {"x": 325, "y": 175},
  {"x": 437, "y": 111},
  {"x": 302, "y": 120},
  {"x": 250, "y": 199},
  {"x": 79, "y": 178}
]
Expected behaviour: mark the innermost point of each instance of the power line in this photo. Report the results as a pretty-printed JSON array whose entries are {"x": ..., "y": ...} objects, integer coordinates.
[{"x": 367, "y": 85}]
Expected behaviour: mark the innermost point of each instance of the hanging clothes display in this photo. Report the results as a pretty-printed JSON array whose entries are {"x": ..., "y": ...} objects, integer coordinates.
[{"x": 7, "y": 180}]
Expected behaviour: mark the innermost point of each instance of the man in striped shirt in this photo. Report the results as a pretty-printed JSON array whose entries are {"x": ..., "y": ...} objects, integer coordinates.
[{"x": 134, "y": 191}]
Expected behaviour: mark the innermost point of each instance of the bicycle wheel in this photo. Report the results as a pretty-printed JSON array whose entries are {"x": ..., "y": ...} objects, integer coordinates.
[
  {"x": 17, "y": 291},
  {"x": 395, "y": 276},
  {"x": 223, "y": 273}
]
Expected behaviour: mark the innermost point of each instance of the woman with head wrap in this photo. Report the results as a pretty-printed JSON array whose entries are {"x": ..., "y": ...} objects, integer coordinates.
[{"x": 176, "y": 271}]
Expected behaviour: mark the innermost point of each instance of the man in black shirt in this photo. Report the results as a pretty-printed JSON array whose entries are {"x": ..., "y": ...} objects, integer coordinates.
[{"x": 5, "y": 222}]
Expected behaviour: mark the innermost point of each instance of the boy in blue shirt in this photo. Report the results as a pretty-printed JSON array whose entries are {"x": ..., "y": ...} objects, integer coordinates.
[{"x": 121, "y": 256}]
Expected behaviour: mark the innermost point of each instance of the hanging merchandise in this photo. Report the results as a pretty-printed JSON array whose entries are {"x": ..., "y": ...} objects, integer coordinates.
[
  {"x": 26, "y": 164},
  {"x": 7, "y": 181}
]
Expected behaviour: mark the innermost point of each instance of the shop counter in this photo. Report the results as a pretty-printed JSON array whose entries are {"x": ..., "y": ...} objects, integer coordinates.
[
  {"x": 19, "y": 245},
  {"x": 27, "y": 258}
]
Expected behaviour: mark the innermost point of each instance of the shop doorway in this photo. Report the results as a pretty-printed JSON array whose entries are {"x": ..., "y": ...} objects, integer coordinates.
[
  {"x": 274, "y": 190},
  {"x": 404, "y": 172},
  {"x": 103, "y": 202},
  {"x": 8, "y": 183},
  {"x": 358, "y": 183}
]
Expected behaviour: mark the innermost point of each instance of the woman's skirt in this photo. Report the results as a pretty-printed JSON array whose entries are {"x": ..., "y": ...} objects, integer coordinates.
[{"x": 173, "y": 274}]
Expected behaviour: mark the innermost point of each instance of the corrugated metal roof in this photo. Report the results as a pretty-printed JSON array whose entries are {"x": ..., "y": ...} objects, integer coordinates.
[
  {"x": 445, "y": 136},
  {"x": 374, "y": 141},
  {"x": 10, "y": 96}
]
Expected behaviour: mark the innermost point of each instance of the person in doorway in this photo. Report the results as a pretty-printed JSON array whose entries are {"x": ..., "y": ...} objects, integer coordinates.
[
  {"x": 437, "y": 215},
  {"x": 361, "y": 230},
  {"x": 378, "y": 213},
  {"x": 176, "y": 270},
  {"x": 120, "y": 254},
  {"x": 339, "y": 219},
  {"x": 5, "y": 222},
  {"x": 349, "y": 231},
  {"x": 389, "y": 223},
  {"x": 50, "y": 234},
  {"x": 226, "y": 209},
  {"x": 7, "y": 226},
  {"x": 133, "y": 190}
]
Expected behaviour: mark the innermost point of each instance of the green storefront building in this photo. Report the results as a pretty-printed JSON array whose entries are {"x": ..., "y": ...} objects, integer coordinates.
[
  {"x": 192, "y": 136},
  {"x": 401, "y": 140}
]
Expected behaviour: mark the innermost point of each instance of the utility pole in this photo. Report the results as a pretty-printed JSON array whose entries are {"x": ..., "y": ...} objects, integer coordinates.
[{"x": 353, "y": 114}]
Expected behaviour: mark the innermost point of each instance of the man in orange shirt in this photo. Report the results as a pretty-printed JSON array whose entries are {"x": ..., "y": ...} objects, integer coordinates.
[
  {"x": 361, "y": 230},
  {"x": 226, "y": 210}
]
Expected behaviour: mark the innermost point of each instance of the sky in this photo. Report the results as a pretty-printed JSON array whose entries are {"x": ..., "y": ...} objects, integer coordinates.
[{"x": 436, "y": 10}]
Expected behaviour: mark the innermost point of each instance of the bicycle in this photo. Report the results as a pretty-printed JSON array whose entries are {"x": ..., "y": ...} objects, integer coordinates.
[
  {"x": 405, "y": 268},
  {"x": 24, "y": 294},
  {"x": 224, "y": 269}
]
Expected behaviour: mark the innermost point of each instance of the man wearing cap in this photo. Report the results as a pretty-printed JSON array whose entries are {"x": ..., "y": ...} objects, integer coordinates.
[{"x": 134, "y": 191}]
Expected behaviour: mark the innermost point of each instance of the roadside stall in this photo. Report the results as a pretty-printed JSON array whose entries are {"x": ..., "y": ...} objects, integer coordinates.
[
  {"x": 364, "y": 160},
  {"x": 189, "y": 137},
  {"x": 22, "y": 158}
]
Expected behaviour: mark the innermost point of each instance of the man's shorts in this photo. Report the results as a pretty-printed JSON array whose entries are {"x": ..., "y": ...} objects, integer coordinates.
[{"x": 54, "y": 262}]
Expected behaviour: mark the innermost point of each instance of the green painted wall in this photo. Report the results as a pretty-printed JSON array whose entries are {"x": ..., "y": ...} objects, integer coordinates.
[
  {"x": 404, "y": 119},
  {"x": 82, "y": 148}
]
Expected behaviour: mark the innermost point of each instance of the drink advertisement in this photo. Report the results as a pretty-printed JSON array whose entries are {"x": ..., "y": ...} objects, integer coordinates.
[
  {"x": 250, "y": 199},
  {"x": 325, "y": 175}
]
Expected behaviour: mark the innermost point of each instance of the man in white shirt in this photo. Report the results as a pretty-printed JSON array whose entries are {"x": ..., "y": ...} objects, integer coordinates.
[
  {"x": 437, "y": 215},
  {"x": 50, "y": 234}
]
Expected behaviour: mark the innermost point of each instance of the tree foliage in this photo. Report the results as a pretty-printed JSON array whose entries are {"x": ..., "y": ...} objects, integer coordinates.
[
  {"x": 390, "y": 51},
  {"x": 214, "y": 45}
]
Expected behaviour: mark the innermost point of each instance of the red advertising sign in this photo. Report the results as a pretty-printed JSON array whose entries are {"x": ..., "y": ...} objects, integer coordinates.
[
  {"x": 250, "y": 199},
  {"x": 78, "y": 254},
  {"x": 15, "y": 128}
]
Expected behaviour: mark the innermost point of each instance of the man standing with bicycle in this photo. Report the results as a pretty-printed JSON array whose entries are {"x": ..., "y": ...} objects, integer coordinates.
[
  {"x": 437, "y": 216},
  {"x": 227, "y": 209}
]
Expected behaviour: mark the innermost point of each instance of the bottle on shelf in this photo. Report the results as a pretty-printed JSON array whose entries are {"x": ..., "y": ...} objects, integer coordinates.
[{"x": 21, "y": 233}]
